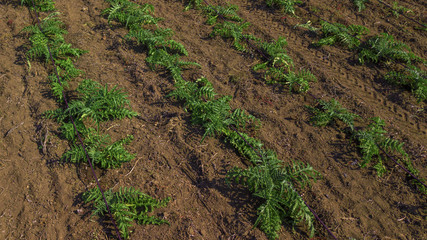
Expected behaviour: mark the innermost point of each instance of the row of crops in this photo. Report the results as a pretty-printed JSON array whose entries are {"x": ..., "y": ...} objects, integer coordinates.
[
  {"x": 278, "y": 68},
  {"x": 274, "y": 182}
]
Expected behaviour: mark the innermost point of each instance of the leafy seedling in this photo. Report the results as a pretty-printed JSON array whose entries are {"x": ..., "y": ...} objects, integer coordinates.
[
  {"x": 157, "y": 39},
  {"x": 383, "y": 48},
  {"x": 235, "y": 31},
  {"x": 397, "y": 9},
  {"x": 170, "y": 62},
  {"x": 132, "y": 15},
  {"x": 273, "y": 184},
  {"x": 41, "y": 5},
  {"x": 276, "y": 53},
  {"x": 327, "y": 112},
  {"x": 287, "y": 6},
  {"x": 127, "y": 205},
  {"x": 348, "y": 36},
  {"x": 372, "y": 139},
  {"x": 411, "y": 77},
  {"x": 360, "y": 4},
  {"x": 228, "y": 12}
]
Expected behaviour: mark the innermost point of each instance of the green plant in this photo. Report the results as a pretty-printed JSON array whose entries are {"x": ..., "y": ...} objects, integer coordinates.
[
  {"x": 193, "y": 4},
  {"x": 66, "y": 71},
  {"x": 96, "y": 104},
  {"x": 360, "y": 4},
  {"x": 228, "y": 12},
  {"x": 412, "y": 77},
  {"x": 171, "y": 62},
  {"x": 51, "y": 35},
  {"x": 159, "y": 38},
  {"x": 297, "y": 81},
  {"x": 397, "y": 9},
  {"x": 131, "y": 14},
  {"x": 330, "y": 111},
  {"x": 384, "y": 48},
  {"x": 41, "y": 5},
  {"x": 339, "y": 33},
  {"x": 286, "y": 5},
  {"x": 372, "y": 139},
  {"x": 235, "y": 31},
  {"x": 276, "y": 53},
  {"x": 307, "y": 25},
  {"x": 126, "y": 205},
  {"x": 214, "y": 114},
  {"x": 274, "y": 184},
  {"x": 100, "y": 150},
  {"x": 242, "y": 142}
]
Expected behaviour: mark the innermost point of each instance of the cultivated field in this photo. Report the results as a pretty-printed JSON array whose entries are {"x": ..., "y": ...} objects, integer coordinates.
[{"x": 176, "y": 136}]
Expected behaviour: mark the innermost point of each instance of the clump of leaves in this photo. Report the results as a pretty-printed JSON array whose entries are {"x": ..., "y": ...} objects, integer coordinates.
[
  {"x": 66, "y": 71},
  {"x": 213, "y": 113},
  {"x": 235, "y": 31},
  {"x": 412, "y": 77},
  {"x": 339, "y": 33},
  {"x": 297, "y": 81},
  {"x": 384, "y": 48},
  {"x": 126, "y": 205},
  {"x": 360, "y": 4},
  {"x": 102, "y": 152},
  {"x": 170, "y": 62},
  {"x": 274, "y": 184},
  {"x": 244, "y": 144},
  {"x": 131, "y": 14},
  {"x": 326, "y": 112},
  {"x": 193, "y": 4},
  {"x": 370, "y": 142},
  {"x": 307, "y": 25},
  {"x": 397, "y": 9},
  {"x": 97, "y": 104},
  {"x": 52, "y": 35},
  {"x": 159, "y": 38},
  {"x": 276, "y": 53},
  {"x": 228, "y": 12},
  {"x": 41, "y": 5},
  {"x": 288, "y": 6}
]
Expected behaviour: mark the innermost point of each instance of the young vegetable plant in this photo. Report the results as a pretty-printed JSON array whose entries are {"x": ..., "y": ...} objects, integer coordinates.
[
  {"x": 276, "y": 53},
  {"x": 228, "y": 12},
  {"x": 131, "y": 14},
  {"x": 327, "y": 112},
  {"x": 371, "y": 140},
  {"x": 397, "y": 9},
  {"x": 360, "y": 4},
  {"x": 298, "y": 81},
  {"x": 411, "y": 77},
  {"x": 52, "y": 35},
  {"x": 96, "y": 104},
  {"x": 339, "y": 33},
  {"x": 193, "y": 4},
  {"x": 273, "y": 184},
  {"x": 170, "y": 62},
  {"x": 278, "y": 67},
  {"x": 41, "y": 5},
  {"x": 214, "y": 114},
  {"x": 383, "y": 48},
  {"x": 235, "y": 31},
  {"x": 127, "y": 205},
  {"x": 288, "y": 6},
  {"x": 157, "y": 39}
]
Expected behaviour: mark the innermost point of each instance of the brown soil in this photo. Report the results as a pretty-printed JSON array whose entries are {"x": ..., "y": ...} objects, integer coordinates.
[{"x": 40, "y": 199}]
